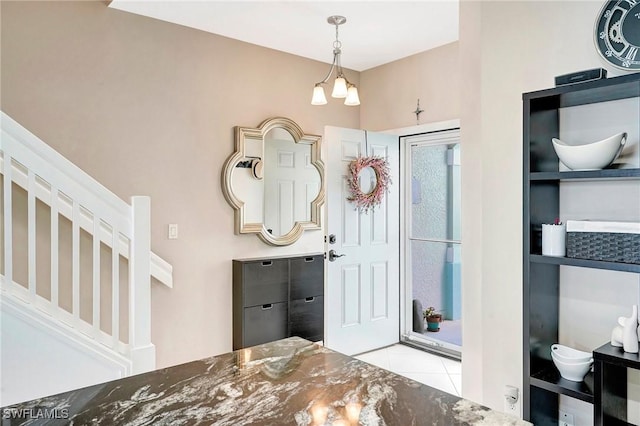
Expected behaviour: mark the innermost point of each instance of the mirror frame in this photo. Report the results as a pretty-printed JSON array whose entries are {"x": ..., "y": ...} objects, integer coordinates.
[{"x": 240, "y": 225}]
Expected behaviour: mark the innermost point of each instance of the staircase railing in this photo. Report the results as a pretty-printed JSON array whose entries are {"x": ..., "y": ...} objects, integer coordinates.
[{"x": 119, "y": 234}]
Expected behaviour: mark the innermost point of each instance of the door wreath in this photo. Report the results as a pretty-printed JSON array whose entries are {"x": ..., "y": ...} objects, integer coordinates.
[{"x": 368, "y": 201}]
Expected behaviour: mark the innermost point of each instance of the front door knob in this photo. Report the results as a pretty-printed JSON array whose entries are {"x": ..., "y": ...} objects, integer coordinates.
[{"x": 333, "y": 255}]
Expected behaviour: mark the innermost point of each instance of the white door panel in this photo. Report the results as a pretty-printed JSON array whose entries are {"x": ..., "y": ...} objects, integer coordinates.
[{"x": 363, "y": 286}]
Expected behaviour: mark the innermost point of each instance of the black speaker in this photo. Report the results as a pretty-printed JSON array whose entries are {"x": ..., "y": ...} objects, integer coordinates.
[{"x": 581, "y": 76}]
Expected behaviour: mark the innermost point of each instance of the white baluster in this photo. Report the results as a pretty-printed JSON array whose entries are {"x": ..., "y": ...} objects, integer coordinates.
[
  {"x": 54, "y": 248},
  {"x": 75, "y": 261},
  {"x": 31, "y": 234},
  {"x": 96, "y": 276},
  {"x": 115, "y": 287}
]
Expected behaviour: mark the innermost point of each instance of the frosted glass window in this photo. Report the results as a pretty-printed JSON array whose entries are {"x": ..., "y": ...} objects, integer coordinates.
[{"x": 435, "y": 192}]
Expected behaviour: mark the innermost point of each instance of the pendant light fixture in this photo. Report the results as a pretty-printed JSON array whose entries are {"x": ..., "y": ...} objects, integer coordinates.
[{"x": 342, "y": 88}]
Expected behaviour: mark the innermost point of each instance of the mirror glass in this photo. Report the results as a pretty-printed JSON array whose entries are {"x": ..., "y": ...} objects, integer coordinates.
[
  {"x": 274, "y": 181},
  {"x": 367, "y": 180},
  {"x": 291, "y": 182}
]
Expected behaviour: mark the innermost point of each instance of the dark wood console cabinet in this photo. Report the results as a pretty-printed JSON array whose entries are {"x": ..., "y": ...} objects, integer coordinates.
[{"x": 278, "y": 297}]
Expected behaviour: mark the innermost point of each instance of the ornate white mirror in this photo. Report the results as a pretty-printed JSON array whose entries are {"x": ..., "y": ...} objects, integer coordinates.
[{"x": 274, "y": 180}]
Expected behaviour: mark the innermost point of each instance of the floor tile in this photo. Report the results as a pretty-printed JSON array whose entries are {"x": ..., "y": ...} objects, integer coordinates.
[
  {"x": 417, "y": 362},
  {"x": 378, "y": 358},
  {"x": 452, "y": 366},
  {"x": 457, "y": 382},
  {"x": 424, "y": 367}
]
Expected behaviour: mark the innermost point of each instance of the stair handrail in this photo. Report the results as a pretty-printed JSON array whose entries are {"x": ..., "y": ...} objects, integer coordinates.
[{"x": 70, "y": 192}]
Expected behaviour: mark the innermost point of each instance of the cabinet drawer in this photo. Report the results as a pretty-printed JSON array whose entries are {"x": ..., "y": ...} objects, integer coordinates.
[
  {"x": 265, "y": 282},
  {"x": 265, "y": 323},
  {"x": 307, "y": 276},
  {"x": 307, "y": 318}
]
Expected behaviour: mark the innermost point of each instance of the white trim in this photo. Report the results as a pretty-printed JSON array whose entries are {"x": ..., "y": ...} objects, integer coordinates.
[
  {"x": 8, "y": 218},
  {"x": 424, "y": 128}
]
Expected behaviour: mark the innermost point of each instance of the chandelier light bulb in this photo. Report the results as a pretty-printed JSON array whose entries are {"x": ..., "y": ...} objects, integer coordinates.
[
  {"x": 318, "y": 96},
  {"x": 339, "y": 88},
  {"x": 352, "y": 96}
]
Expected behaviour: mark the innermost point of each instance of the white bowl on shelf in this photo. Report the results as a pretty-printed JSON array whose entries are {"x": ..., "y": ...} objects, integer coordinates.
[
  {"x": 590, "y": 156},
  {"x": 569, "y": 355},
  {"x": 573, "y": 371}
]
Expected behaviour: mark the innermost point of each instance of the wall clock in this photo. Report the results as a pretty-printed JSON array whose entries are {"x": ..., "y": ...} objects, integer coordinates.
[{"x": 617, "y": 33}]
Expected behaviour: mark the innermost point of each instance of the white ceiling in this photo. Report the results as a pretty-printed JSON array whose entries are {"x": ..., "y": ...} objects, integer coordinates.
[{"x": 376, "y": 32}]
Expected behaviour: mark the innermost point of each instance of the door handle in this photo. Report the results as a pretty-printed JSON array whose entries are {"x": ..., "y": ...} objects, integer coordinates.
[{"x": 333, "y": 255}]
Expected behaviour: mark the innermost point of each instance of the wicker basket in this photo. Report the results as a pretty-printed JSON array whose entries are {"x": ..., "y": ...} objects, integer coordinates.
[{"x": 606, "y": 246}]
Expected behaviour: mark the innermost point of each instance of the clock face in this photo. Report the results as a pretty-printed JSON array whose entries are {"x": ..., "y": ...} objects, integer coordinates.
[{"x": 617, "y": 33}]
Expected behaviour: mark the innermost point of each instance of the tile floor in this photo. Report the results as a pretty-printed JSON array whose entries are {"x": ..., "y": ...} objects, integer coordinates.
[{"x": 424, "y": 367}]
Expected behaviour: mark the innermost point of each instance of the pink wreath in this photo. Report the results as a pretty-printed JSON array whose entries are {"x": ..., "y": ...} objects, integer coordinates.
[{"x": 369, "y": 200}]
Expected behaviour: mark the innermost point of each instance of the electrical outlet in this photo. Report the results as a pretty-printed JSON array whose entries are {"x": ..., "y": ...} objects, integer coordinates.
[
  {"x": 565, "y": 419},
  {"x": 512, "y": 408},
  {"x": 512, "y": 400}
]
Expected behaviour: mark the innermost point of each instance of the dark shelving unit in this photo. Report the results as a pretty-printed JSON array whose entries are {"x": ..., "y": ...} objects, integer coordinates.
[{"x": 605, "y": 388}]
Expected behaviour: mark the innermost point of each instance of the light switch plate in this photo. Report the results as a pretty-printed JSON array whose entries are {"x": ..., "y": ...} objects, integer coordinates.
[{"x": 173, "y": 231}]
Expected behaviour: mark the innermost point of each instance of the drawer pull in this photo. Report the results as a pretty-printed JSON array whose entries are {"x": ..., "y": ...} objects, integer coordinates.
[
  {"x": 308, "y": 259},
  {"x": 309, "y": 299},
  {"x": 267, "y": 306},
  {"x": 267, "y": 263}
]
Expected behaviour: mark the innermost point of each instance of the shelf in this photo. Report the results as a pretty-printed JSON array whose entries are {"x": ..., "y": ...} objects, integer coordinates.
[
  {"x": 588, "y": 174},
  {"x": 603, "y": 90},
  {"x": 617, "y": 356},
  {"x": 584, "y": 263},
  {"x": 549, "y": 379}
]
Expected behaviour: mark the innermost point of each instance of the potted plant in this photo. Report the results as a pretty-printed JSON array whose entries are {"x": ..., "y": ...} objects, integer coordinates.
[{"x": 433, "y": 319}]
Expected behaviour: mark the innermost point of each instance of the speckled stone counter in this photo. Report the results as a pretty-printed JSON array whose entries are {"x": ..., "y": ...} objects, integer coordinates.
[{"x": 288, "y": 382}]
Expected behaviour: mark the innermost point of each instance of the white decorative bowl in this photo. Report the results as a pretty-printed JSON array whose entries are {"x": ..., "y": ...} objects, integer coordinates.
[
  {"x": 573, "y": 371},
  {"x": 569, "y": 355},
  {"x": 590, "y": 156}
]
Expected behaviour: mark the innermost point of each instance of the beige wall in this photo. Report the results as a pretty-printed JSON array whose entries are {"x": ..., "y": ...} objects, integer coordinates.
[
  {"x": 390, "y": 92},
  {"x": 148, "y": 108},
  {"x": 523, "y": 45}
]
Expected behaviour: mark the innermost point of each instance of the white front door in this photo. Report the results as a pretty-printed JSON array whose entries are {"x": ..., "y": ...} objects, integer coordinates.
[{"x": 363, "y": 286}]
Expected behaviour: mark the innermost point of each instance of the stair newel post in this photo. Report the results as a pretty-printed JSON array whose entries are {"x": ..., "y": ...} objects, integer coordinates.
[{"x": 142, "y": 350}]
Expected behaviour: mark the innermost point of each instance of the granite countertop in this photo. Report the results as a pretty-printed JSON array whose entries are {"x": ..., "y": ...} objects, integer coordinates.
[{"x": 287, "y": 382}]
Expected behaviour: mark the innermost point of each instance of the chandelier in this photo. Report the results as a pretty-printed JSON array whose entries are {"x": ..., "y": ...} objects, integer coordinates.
[{"x": 342, "y": 88}]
